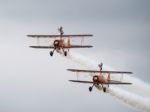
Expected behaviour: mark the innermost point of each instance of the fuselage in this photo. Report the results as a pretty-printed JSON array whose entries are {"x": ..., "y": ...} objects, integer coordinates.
[
  {"x": 100, "y": 79},
  {"x": 60, "y": 44}
]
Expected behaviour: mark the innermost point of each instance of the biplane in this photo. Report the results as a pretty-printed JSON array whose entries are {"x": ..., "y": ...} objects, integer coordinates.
[
  {"x": 60, "y": 43},
  {"x": 101, "y": 79}
]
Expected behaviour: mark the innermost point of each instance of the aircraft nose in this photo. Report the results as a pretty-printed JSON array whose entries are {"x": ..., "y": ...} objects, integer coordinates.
[
  {"x": 56, "y": 42},
  {"x": 95, "y": 78}
]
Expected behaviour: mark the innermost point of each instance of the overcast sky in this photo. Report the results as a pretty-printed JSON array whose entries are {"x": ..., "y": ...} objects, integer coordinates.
[{"x": 31, "y": 80}]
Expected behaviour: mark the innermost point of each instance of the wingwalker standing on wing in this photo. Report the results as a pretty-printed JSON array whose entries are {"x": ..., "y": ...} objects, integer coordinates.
[
  {"x": 100, "y": 79},
  {"x": 60, "y": 44}
]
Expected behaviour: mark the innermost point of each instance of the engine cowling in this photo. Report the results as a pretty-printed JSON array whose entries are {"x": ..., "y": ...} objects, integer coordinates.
[
  {"x": 95, "y": 79},
  {"x": 56, "y": 43}
]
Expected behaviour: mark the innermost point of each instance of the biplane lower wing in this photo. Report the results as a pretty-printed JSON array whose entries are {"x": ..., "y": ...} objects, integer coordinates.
[
  {"x": 42, "y": 47},
  {"x": 79, "y": 81},
  {"x": 110, "y": 82},
  {"x": 96, "y": 71},
  {"x": 117, "y": 82}
]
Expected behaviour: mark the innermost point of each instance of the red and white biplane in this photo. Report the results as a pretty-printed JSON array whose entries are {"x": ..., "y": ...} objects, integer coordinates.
[
  {"x": 60, "y": 44},
  {"x": 100, "y": 79}
]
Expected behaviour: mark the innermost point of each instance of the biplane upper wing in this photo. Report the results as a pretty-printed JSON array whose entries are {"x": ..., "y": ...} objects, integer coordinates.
[
  {"x": 42, "y": 47},
  {"x": 110, "y": 82},
  {"x": 54, "y": 36},
  {"x": 78, "y": 46},
  {"x": 96, "y": 71}
]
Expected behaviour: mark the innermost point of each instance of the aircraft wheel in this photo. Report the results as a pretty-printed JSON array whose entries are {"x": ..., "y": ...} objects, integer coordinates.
[
  {"x": 51, "y": 53},
  {"x": 65, "y": 53},
  {"x": 90, "y": 88},
  {"x": 104, "y": 89}
]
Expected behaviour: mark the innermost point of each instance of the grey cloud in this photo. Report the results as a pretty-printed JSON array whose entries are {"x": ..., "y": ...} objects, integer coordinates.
[
  {"x": 121, "y": 29},
  {"x": 81, "y": 10}
]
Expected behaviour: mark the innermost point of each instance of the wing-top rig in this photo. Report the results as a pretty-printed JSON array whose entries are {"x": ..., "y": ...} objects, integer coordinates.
[
  {"x": 101, "y": 79},
  {"x": 60, "y": 44}
]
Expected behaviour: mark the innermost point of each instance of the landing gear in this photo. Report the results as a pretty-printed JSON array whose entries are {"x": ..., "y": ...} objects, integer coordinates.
[
  {"x": 90, "y": 88},
  {"x": 104, "y": 89},
  {"x": 65, "y": 53},
  {"x": 51, "y": 53}
]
